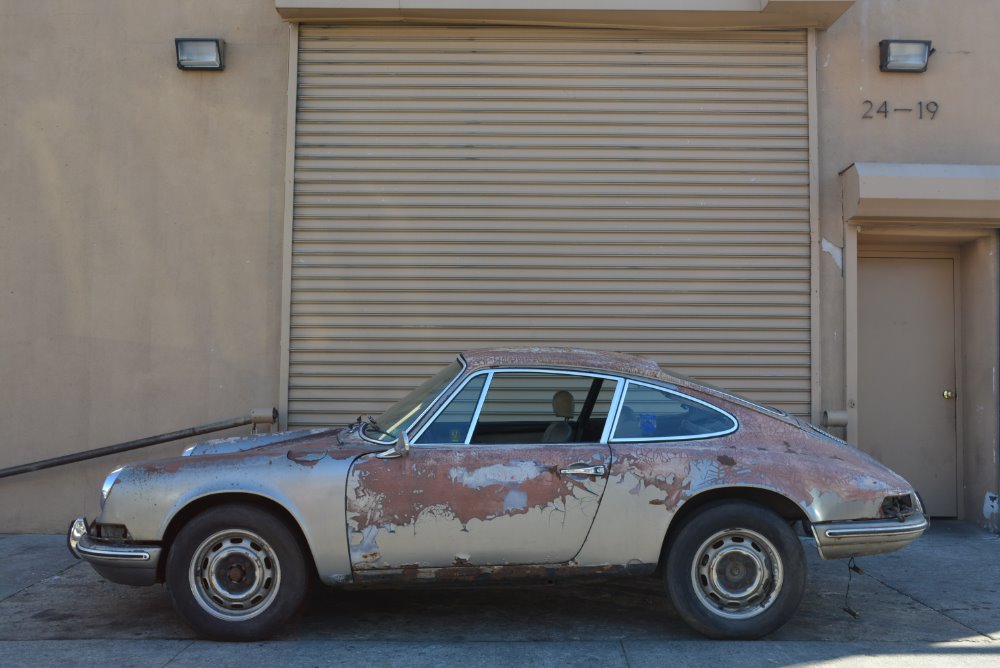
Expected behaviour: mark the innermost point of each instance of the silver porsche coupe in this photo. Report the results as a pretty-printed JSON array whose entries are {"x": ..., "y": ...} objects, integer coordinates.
[{"x": 508, "y": 465}]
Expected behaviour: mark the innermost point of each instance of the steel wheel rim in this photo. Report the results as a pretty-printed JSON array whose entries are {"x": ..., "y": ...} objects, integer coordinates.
[
  {"x": 234, "y": 575},
  {"x": 737, "y": 573}
]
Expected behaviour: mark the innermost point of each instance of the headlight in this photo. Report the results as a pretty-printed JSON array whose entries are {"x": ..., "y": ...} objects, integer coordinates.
[
  {"x": 109, "y": 482},
  {"x": 188, "y": 450}
]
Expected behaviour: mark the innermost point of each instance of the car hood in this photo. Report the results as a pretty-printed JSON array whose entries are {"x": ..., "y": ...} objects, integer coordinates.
[{"x": 233, "y": 444}]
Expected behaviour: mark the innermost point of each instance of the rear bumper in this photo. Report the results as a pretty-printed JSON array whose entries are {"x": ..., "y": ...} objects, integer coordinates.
[
  {"x": 121, "y": 563},
  {"x": 838, "y": 540}
]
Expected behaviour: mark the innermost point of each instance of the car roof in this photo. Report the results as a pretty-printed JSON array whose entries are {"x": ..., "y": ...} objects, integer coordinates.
[
  {"x": 599, "y": 361},
  {"x": 564, "y": 358}
]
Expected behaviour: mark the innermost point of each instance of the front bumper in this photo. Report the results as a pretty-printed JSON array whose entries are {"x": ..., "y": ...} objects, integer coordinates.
[
  {"x": 838, "y": 540},
  {"x": 117, "y": 562}
]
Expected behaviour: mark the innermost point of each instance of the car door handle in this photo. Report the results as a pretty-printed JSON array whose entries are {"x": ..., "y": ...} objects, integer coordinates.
[{"x": 583, "y": 470}]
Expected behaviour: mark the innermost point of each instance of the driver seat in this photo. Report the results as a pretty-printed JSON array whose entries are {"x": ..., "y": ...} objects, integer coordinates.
[{"x": 561, "y": 431}]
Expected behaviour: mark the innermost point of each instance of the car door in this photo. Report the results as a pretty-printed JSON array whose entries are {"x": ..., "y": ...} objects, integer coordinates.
[{"x": 495, "y": 477}]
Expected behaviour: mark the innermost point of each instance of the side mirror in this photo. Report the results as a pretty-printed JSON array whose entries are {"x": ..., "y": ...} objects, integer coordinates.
[{"x": 401, "y": 449}]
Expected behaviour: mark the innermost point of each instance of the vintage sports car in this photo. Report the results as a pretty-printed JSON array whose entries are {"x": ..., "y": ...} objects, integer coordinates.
[{"x": 508, "y": 465}]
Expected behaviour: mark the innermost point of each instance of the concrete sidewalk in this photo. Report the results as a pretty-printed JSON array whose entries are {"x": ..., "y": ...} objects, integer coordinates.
[{"x": 935, "y": 603}]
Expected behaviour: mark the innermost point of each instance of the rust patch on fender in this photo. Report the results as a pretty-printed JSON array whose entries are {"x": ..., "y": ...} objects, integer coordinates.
[{"x": 766, "y": 453}]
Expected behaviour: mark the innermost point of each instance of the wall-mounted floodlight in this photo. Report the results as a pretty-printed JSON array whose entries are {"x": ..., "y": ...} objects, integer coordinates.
[
  {"x": 200, "y": 53},
  {"x": 904, "y": 55}
]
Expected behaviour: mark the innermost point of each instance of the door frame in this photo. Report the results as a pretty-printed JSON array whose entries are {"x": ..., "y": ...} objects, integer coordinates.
[{"x": 924, "y": 249}]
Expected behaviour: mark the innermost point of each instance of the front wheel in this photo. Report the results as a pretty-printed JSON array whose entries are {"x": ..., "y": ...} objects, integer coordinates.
[
  {"x": 736, "y": 570},
  {"x": 236, "y": 572}
]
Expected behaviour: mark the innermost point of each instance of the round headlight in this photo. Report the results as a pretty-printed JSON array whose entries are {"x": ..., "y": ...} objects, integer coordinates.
[{"x": 109, "y": 482}]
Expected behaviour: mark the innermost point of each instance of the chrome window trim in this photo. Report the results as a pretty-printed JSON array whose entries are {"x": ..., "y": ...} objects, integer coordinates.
[
  {"x": 479, "y": 408},
  {"x": 616, "y": 399},
  {"x": 486, "y": 386},
  {"x": 556, "y": 372},
  {"x": 728, "y": 396},
  {"x": 442, "y": 393},
  {"x": 686, "y": 437},
  {"x": 743, "y": 401},
  {"x": 825, "y": 434},
  {"x": 447, "y": 402}
]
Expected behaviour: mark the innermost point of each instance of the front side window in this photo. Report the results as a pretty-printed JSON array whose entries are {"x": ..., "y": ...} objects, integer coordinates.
[
  {"x": 524, "y": 407},
  {"x": 452, "y": 424},
  {"x": 650, "y": 413}
]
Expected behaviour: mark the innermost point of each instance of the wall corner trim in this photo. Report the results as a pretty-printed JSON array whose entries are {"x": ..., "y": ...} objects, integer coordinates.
[
  {"x": 922, "y": 193},
  {"x": 681, "y": 14}
]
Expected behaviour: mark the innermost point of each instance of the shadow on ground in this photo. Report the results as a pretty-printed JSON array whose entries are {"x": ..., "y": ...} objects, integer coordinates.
[{"x": 946, "y": 587}]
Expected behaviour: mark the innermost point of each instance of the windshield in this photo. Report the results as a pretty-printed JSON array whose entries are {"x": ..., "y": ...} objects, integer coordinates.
[{"x": 403, "y": 414}]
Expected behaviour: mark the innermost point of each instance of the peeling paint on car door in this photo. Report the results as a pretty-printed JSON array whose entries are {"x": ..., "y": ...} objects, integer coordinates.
[{"x": 465, "y": 505}]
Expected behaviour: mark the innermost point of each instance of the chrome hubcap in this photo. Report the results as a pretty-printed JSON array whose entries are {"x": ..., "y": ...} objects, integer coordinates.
[
  {"x": 737, "y": 573},
  {"x": 234, "y": 575}
]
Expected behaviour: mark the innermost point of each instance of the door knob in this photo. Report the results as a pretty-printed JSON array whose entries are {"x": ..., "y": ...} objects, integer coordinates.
[{"x": 948, "y": 394}]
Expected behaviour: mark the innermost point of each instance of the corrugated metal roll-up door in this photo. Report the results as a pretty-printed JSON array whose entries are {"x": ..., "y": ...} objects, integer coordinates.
[{"x": 462, "y": 187}]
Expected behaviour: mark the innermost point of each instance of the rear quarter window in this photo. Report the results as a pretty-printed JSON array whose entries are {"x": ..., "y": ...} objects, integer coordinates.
[{"x": 649, "y": 413}]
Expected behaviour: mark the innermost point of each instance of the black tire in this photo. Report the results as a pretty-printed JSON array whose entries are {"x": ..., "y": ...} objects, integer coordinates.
[
  {"x": 735, "y": 570},
  {"x": 237, "y": 573}
]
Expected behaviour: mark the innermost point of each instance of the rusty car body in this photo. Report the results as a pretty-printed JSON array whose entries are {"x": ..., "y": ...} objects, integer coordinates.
[{"x": 510, "y": 464}]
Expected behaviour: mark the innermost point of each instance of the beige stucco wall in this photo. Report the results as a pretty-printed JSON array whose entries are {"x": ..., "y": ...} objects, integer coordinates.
[
  {"x": 141, "y": 214},
  {"x": 979, "y": 364},
  {"x": 141, "y": 211},
  {"x": 960, "y": 80}
]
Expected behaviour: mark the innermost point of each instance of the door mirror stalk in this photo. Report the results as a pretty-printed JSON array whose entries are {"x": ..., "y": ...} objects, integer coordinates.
[{"x": 400, "y": 449}]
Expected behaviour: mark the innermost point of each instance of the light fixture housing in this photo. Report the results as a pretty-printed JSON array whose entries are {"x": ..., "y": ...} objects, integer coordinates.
[
  {"x": 904, "y": 55},
  {"x": 200, "y": 53}
]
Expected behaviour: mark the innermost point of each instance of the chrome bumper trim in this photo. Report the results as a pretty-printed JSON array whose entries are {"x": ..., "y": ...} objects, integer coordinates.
[
  {"x": 871, "y": 529},
  {"x": 838, "y": 540},
  {"x": 114, "y": 553},
  {"x": 126, "y": 564}
]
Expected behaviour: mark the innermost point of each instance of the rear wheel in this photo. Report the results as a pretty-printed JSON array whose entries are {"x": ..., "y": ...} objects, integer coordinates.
[
  {"x": 736, "y": 570},
  {"x": 236, "y": 572}
]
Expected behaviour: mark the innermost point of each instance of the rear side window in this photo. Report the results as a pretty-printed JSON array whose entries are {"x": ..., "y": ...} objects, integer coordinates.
[{"x": 650, "y": 413}]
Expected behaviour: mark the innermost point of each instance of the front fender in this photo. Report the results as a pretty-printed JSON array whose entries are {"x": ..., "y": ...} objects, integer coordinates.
[{"x": 148, "y": 496}]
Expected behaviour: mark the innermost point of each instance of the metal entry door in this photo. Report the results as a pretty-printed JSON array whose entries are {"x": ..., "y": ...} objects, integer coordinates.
[{"x": 907, "y": 379}]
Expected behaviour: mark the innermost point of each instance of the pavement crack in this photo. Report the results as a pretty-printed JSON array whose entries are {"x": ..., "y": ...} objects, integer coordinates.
[
  {"x": 37, "y": 582},
  {"x": 628, "y": 664},
  {"x": 178, "y": 653},
  {"x": 928, "y": 606}
]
